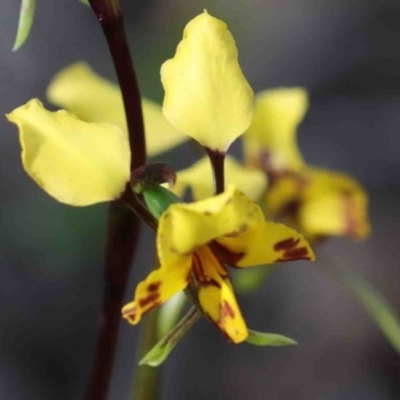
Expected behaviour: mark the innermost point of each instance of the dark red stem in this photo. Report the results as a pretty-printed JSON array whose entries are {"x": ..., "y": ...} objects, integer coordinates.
[
  {"x": 122, "y": 225},
  {"x": 122, "y": 237},
  {"x": 217, "y": 159},
  {"x": 111, "y": 20}
]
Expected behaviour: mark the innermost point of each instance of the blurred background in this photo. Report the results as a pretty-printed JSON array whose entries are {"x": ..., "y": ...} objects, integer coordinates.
[{"x": 348, "y": 54}]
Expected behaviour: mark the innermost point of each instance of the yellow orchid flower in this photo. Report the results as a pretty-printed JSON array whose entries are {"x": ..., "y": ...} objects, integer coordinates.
[
  {"x": 79, "y": 90},
  {"x": 315, "y": 201},
  {"x": 198, "y": 239},
  {"x": 320, "y": 203},
  {"x": 206, "y": 95},
  {"x": 199, "y": 178}
]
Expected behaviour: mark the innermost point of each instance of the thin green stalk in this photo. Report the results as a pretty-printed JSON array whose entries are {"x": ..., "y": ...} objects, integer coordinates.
[{"x": 145, "y": 386}]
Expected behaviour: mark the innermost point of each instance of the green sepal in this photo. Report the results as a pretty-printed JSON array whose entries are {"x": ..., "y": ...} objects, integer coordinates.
[
  {"x": 158, "y": 199},
  {"x": 378, "y": 308},
  {"x": 26, "y": 15},
  {"x": 269, "y": 339}
]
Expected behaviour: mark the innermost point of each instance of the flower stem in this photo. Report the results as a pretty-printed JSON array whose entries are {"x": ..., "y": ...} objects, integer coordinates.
[
  {"x": 122, "y": 226},
  {"x": 180, "y": 329},
  {"x": 217, "y": 160},
  {"x": 111, "y": 20},
  {"x": 122, "y": 237},
  {"x": 145, "y": 385}
]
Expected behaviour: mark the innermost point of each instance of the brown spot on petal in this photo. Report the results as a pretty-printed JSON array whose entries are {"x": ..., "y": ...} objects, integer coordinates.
[
  {"x": 197, "y": 268},
  {"x": 351, "y": 214},
  {"x": 153, "y": 287},
  {"x": 151, "y": 298},
  {"x": 291, "y": 251},
  {"x": 226, "y": 310},
  {"x": 286, "y": 244},
  {"x": 225, "y": 255}
]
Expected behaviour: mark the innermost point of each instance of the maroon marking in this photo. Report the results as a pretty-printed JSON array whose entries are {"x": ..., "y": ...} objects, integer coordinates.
[
  {"x": 290, "y": 209},
  {"x": 226, "y": 310},
  {"x": 291, "y": 251},
  {"x": 153, "y": 287},
  {"x": 151, "y": 298},
  {"x": 225, "y": 255},
  {"x": 197, "y": 268},
  {"x": 210, "y": 282},
  {"x": 286, "y": 244},
  {"x": 350, "y": 213}
]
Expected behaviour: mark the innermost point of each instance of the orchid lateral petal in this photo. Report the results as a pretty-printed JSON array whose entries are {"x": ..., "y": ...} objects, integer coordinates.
[
  {"x": 264, "y": 243},
  {"x": 269, "y": 339},
  {"x": 272, "y": 133},
  {"x": 78, "y": 89},
  {"x": 216, "y": 295},
  {"x": 199, "y": 178},
  {"x": 76, "y": 162},
  {"x": 159, "y": 286},
  {"x": 26, "y": 16},
  {"x": 206, "y": 95}
]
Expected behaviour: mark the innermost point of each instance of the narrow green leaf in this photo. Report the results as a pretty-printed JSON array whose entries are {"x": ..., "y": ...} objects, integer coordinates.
[
  {"x": 159, "y": 353},
  {"x": 26, "y": 15},
  {"x": 86, "y": 2},
  {"x": 269, "y": 339},
  {"x": 378, "y": 308}
]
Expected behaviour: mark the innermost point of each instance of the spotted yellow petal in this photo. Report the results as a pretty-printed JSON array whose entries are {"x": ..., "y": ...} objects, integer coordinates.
[
  {"x": 199, "y": 178},
  {"x": 78, "y": 89},
  {"x": 76, "y": 162},
  {"x": 263, "y": 243},
  {"x": 159, "y": 286},
  {"x": 319, "y": 202},
  {"x": 271, "y": 137},
  {"x": 216, "y": 296},
  {"x": 206, "y": 95}
]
